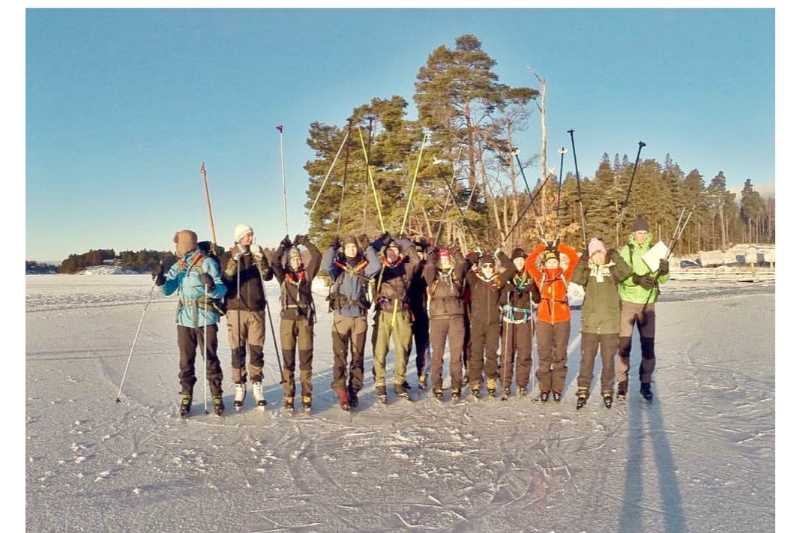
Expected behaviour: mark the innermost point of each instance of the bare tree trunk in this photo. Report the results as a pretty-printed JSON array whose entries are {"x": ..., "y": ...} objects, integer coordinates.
[
  {"x": 470, "y": 146},
  {"x": 490, "y": 196}
]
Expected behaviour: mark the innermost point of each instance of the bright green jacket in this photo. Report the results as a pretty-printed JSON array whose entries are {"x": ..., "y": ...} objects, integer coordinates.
[{"x": 633, "y": 254}]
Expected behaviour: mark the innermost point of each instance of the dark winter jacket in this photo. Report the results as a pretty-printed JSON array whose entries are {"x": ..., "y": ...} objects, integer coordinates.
[
  {"x": 485, "y": 293},
  {"x": 418, "y": 292},
  {"x": 395, "y": 280},
  {"x": 249, "y": 295},
  {"x": 445, "y": 288},
  {"x": 601, "y": 304},
  {"x": 348, "y": 292},
  {"x": 518, "y": 296},
  {"x": 296, "y": 298}
]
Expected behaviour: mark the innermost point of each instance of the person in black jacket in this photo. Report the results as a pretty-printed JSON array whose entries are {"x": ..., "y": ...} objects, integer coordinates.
[
  {"x": 420, "y": 324},
  {"x": 245, "y": 303},
  {"x": 297, "y": 313},
  {"x": 517, "y": 299}
]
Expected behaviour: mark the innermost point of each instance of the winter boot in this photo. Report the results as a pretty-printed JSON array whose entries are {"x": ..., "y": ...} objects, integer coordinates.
[
  {"x": 258, "y": 394},
  {"x": 455, "y": 395},
  {"x": 352, "y": 398},
  {"x": 647, "y": 394},
  {"x": 476, "y": 393},
  {"x": 344, "y": 401},
  {"x": 608, "y": 399},
  {"x": 622, "y": 390},
  {"x": 401, "y": 391},
  {"x": 307, "y": 405},
  {"x": 380, "y": 392},
  {"x": 522, "y": 392},
  {"x": 544, "y": 396},
  {"x": 491, "y": 386},
  {"x": 219, "y": 405},
  {"x": 556, "y": 396},
  {"x": 437, "y": 393},
  {"x": 406, "y": 386},
  {"x": 186, "y": 404},
  {"x": 583, "y": 395},
  {"x": 288, "y": 402},
  {"x": 240, "y": 392},
  {"x": 506, "y": 393}
]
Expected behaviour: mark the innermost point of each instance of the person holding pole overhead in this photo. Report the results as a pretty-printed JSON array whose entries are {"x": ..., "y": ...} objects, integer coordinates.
[{"x": 197, "y": 280}]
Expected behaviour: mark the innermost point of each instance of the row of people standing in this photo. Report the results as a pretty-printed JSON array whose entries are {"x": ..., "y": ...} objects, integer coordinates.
[{"x": 433, "y": 296}]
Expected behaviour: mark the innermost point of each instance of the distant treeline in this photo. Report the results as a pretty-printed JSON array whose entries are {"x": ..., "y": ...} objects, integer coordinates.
[
  {"x": 140, "y": 261},
  {"x": 34, "y": 267}
]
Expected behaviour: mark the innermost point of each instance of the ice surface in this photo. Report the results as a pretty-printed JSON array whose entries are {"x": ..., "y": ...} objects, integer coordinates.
[{"x": 700, "y": 458}]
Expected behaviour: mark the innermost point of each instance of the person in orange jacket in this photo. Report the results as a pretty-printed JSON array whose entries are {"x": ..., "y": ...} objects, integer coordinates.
[{"x": 553, "y": 316}]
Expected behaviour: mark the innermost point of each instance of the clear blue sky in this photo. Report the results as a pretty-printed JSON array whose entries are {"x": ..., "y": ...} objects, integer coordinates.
[{"x": 122, "y": 105}]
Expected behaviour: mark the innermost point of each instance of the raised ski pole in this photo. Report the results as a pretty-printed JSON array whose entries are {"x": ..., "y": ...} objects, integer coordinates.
[
  {"x": 205, "y": 349},
  {"x": 279, "y": 127},
  {"x": 344, "y": 178},
  {"x": 460, "y": 210},
  {"x": 447, "y": 200},
  {"x": 578, "y": 182},
  {"x": 371, "y": 181},
  {"x": 135, "y": 338},
  {"x": 425, "y": 139},
  {"x": 525, "y": 210},
  {"x": 271, "y": 326},
  {"x": 328, "y": 174},
  {"x": 562, "y": 151},
  {"x": 630, "y": 186},
  {"x": 204, "y": 175}
]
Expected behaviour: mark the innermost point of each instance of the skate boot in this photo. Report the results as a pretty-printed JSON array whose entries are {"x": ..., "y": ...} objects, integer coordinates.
[
  {"x": 608, "y": 399},
  {"x": 219, "y": 405},
  {"x": 647, "y": 394},
  {"x": 307, "y": 405},
  {"x": 544, "y": 396},
  {"x": 491, "y": 387},
  {"x": 344, "y": 401},
  {"x": 506, "y": 393},
  {"x": 437, "y": 393},
  {"x": 186, "y": 404},
  {"x": 352, "y": 398},
  {"x": 556, "y": 396},
  {"x": 239, "y": 394},
  {"x": 476, "y": 393},
  {"x": 583, "y": 395},
  {"x": 258, "y": 395},
  {"x": 288, "y": 403},
  {"x": 401, "y": 391},
  {"x": 380, "y": 392},
  {"x": 622, "y": 390},
  {"x": 522, "y": 392}
]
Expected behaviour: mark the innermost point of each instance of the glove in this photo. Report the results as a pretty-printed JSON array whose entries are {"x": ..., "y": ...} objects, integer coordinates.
[
  {"x": 645, "y": 281},
  {"x": 158, "y": 275},
  {"x": 235, "y": 252},
  {"x": 301, "y": 239},
  {"x": 258, "y": 252},
  {"x": 337, "y": 243},
  {"x": 286, "y": 243},
  {"x": 663, "y": 267},
  {"x": 497, "y": 253},
  {"x": 208, "y": 281},
  {"x": 385, "y": 238}
]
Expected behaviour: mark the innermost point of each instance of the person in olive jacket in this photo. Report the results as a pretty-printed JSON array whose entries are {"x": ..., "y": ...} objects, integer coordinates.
[{"x": 600, "y": 272}]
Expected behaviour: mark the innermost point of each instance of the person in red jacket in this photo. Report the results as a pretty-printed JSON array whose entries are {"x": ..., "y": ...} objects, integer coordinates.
[{"x": 553, "y": 316}]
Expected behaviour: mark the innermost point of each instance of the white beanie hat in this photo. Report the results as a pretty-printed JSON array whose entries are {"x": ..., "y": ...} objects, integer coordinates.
[{"x": 240, "y": 231}]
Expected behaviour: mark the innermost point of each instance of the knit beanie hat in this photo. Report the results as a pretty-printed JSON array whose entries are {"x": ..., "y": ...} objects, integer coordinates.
[
  {"x": 240, "y": 231},
  {"x": 550, "y": 254},
  {"x": 640, "y": 224},
  {"x": 487, "y": 258},
  {"x": 596, "y": 245},
  {"x": 518, "y": 252},
  {"x": 350, "y": 239},
  {"x": 443, "y": 252},
  {"x": 185, "y": 241}
]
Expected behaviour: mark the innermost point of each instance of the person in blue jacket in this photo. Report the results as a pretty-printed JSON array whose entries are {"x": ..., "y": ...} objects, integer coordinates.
[
  {"x": 350, "y": 272},
  {"x": 196, "y": 278}
]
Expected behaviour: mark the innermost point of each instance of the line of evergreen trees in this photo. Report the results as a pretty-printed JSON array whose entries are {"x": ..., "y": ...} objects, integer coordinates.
[
  {"x": 474, "y": 121},
  {"x": 139, "y": 261}
]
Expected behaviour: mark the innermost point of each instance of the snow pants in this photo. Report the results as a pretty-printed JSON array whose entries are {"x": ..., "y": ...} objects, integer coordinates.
[
  {"x": 189, "y": 339},
  {"x": 401, "y": 333},
  {"x": 552, "y": 340},
  {"x": 348, "y": 332},
  {"x": 297, "y": 333},
  {"x": 246, "y": 328},
  {"x": 644, "y": 318},
  {"x": 443, "y": 330},
  {"x": 422, "y": 341},
  {"x": 484, "y": 338},
  {"x": 517, "y": 342},
  {"x": 608, "y": 345}
]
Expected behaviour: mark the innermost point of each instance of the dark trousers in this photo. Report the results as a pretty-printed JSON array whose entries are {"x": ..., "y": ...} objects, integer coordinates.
[
  {"x": 552, "y": 343},
  {"x": 297, "y": 333},
  {"x": 608, "y": 344},
  {"x": 419, "y": 329},
  {"x": 644, "y": 318},
  {"x": 483, "y": 352},
  {"x": 517, "y": 341},
  {"x": 352, "y": 332},
  {"x": 443, "y": 329},
  {"x": 188, "y": 341}
]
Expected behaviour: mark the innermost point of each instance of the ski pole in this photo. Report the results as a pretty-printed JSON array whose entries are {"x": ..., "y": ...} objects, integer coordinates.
[
  {"x": 425, "y": 140},
  {"x": 208, "y": 204},
  {"x": 271, "y": 326},
  {"x": 135, "y": 338},
  {"x": 578, "y": 182},
  {"x": 371, "y": 181},
  {"x": 279, "y": 127},
  {"x": 205, "y": 348},
  {"x": 344, "y": 178},
  {"x": 447, "y": 200},
  {"x": 562, "y": 151},
  {"x": 460, "y": 210},
  {"x": 328, "y": 174},
  {"x": 630, "y": 186},
  {"x": 525, "y": 210}
]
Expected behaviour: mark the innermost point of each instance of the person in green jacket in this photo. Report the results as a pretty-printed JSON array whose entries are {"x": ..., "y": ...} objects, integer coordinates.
[
  {"x": 639, "y": 293},
  {"x": 600, "y": 272}
]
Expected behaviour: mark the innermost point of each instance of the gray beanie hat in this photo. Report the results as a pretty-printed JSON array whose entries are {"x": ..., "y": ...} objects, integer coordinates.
[{"x": 640, "y": 224}]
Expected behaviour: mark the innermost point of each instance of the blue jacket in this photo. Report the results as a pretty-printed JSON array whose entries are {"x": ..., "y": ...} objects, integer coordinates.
[
  {"x": 352, "y": 287},
  {"x": 184, "y": 276}
]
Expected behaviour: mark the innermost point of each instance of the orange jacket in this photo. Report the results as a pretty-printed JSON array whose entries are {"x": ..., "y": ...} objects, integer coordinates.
[{"x": 552, "y": 283}]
